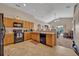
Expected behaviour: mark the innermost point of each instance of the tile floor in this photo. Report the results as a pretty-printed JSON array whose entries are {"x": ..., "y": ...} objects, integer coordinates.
[
  {"x": 30, "y": 48},
  {"x": 64, "y": 42}
]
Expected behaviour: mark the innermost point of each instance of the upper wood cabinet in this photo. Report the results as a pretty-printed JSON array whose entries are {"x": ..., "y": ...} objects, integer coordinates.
[
  {"x": 8, "y": 22},
  {"x": 31, "y": 25},
  {"x": 28, "y": 25},
  {"x": 18, "y": 21}
]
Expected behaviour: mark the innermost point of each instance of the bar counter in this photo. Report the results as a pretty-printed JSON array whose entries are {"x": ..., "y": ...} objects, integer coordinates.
[{"x": 46, "y": 38}]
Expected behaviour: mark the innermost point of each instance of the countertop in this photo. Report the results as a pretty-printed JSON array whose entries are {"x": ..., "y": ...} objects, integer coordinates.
[{"x": 43, "y": 32}]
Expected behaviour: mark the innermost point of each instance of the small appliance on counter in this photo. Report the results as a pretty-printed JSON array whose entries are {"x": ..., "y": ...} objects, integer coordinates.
[{"x": 29, "y": 30}]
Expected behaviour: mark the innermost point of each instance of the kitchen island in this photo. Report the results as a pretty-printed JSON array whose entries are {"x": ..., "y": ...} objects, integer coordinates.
[{"x": 46, "y": 38}]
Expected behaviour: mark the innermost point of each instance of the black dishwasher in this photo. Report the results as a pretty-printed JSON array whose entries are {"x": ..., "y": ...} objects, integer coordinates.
[{"x": 42, "y": 38}]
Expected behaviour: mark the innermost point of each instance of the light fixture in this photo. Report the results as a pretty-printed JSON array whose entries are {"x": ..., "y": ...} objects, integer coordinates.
[
  {"x": 24, "y": 4},
  {"x": 56, "y": 20},
  {"x": 17, "y": 17}
]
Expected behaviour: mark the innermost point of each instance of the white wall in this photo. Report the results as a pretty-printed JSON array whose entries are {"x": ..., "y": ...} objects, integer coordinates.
[
  {"x": 12, "y": 13},
  {"x": 66, "y": 22},
  {"x": 76, "y": 18}
]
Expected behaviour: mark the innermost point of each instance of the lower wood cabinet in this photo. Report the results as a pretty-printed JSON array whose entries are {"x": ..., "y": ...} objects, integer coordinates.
[
  {"x": 54, "y": 37},
  {"x": 27, "y": 36},
  {"x": 35, "y": 37},
  {"x": 50, "y": 39},
  {"x": 9, "y": 38}
]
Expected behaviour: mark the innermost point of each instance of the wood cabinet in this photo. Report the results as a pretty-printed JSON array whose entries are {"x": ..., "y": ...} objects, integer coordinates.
[
  {"x": 31, "y": 25},
  {"x": 28, "y": 25},
  {"x": 9, "y": 38},
  {"x": 35, "y": 36},
  {"x": 50, "y": 39},
  {"x": 18, "y": 21},
  {"x": 8, "y": 22},
  {"x": 54, "y": 39},
  {"x": 27, "y": 36}
]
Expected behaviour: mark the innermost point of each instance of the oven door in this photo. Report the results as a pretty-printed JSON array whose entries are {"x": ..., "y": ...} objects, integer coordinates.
[{"x": 18, "y": 36}]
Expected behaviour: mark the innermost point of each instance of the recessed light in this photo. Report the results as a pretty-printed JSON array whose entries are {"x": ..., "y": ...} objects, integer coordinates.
[{"x": 24, "y": 4}]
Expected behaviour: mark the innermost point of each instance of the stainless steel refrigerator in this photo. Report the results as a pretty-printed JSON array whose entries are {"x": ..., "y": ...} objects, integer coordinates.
[{"x": 2, "y": 33}]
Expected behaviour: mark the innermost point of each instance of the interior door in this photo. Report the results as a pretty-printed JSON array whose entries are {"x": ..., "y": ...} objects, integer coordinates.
[{"x": 2, "y": 32}]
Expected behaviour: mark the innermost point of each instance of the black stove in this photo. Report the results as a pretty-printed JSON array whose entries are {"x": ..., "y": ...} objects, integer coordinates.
[{"x": 18, "y": 33}]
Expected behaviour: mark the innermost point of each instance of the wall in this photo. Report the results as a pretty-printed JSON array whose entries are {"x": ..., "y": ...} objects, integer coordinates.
[
  {"x": 66, "y": 22},
  {"x": 76, "y": 33},
  {"x": 12, "y": 13}
]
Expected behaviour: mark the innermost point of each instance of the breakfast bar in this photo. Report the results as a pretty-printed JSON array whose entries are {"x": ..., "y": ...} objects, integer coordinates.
[{"x": 45, "y": 38}]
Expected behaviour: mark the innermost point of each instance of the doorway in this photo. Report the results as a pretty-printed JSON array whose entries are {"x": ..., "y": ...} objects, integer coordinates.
[
  {"x": 60, "y": 30},
  {"x": 61, "y": 40}
]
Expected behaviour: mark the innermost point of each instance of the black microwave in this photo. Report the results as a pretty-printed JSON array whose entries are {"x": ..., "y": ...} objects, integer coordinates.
[{"x": 15, "y": 24}]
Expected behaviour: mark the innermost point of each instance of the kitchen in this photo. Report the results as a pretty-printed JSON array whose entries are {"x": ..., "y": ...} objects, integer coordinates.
[{"x": 22, "y": 29}]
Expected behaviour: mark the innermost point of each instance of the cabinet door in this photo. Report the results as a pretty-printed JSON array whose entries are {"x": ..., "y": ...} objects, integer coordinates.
[
  {"x": 9, "y": 38},
  {"x": 26, "y": 24},
  {"x": 54, "y": 39},
  {"x": 35, "y": 36},
  {"x": 31, "y": 25},
  {"x": 27, "y": 36},
  {"x": 49, "y": 40},
  {"x": 8, "y": 22}
]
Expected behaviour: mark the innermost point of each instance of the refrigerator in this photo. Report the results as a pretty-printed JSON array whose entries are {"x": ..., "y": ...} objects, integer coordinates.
[{"x": 2, "y": 33}]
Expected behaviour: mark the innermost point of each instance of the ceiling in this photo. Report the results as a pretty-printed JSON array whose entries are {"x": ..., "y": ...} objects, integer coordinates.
[{"x": 45, "y": 12}]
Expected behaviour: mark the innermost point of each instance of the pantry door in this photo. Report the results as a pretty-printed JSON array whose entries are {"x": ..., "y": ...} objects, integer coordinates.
[{"x": 2, "y": 33}]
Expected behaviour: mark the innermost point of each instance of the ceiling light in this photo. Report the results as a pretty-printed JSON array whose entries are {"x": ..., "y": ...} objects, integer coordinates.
[
  {"x": 24, "y": 4},
  {"x": 56, "y": 20}
]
